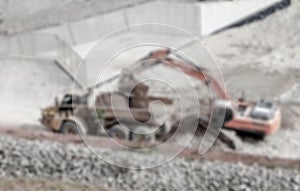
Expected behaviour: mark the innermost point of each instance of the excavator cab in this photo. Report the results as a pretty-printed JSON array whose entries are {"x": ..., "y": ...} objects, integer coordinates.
[
  {"x": 255, "y": 118},
  {"x": 263, "y": 110},
  {"x": 71, "y": 100}
]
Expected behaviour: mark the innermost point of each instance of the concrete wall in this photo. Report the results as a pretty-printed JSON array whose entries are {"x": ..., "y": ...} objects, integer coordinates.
[
  {"x": 21, "y": 8},
  {"x": 218, "y": 15},
  {"x": 182, "y": 15},
  {"x": 46, "y": 46},
  {"x": 89, "y": 29},
  {"x": 200, "y": 19},
  {"x": 97, "y": 27}
]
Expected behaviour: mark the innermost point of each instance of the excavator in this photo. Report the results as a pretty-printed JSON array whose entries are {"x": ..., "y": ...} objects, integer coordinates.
[
  {"x": 256, "y": 118},
  {"x": 259, "y": 119}
]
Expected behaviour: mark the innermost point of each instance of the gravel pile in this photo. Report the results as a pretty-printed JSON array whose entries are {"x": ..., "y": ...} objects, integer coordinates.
[{"x": 23, "y": 158}]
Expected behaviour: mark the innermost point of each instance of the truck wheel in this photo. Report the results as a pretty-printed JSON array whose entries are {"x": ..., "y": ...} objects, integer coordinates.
[
  {"x": 69, "y": 128},
  {"x": 142, "y": 134},
  {"x": 117, "y": 131},
  {"x": 161, "y": 132}
]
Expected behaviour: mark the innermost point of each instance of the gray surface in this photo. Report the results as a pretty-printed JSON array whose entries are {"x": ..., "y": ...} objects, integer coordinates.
[
  {"x": 44, "y": 46},
  {"x": 20, "y": 16},
  {"x": 182, "y": 15},
  {"x": 219, "y": 15},
  {"x": 26, "y": 86},
  {"x": 32, "y": 159},
  {"x": 110, "y": 56},
  {"x": 199, "y": 18}
]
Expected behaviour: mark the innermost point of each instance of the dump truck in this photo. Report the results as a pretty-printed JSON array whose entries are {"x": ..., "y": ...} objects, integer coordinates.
[{"x": 130, "y": 118}]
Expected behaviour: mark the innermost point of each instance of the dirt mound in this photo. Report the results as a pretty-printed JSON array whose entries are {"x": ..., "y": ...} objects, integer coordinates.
[
  {"x": 290, "y": 115},
  {"x": 258, "y": 83},
  {"x": 26, "y": 86},
  {"x": 248, "y": 44}
]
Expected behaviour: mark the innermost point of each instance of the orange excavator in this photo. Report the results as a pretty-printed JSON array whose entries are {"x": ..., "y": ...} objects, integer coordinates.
[{"x": 257, "y": 118}]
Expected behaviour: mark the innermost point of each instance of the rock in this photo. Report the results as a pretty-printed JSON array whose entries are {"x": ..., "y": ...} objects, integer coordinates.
[{"x": 41, "y": 159}]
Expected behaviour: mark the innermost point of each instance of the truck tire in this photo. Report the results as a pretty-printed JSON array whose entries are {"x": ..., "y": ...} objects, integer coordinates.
[
  {"x": 69, "y": 128},
  {"x": 117, "y": 131},
  {"x": 161, "y": 132},
  {"x": 142, "y": 134}
]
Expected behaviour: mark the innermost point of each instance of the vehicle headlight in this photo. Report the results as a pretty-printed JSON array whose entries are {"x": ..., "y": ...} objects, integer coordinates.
[{"x": 48, "y": 113}]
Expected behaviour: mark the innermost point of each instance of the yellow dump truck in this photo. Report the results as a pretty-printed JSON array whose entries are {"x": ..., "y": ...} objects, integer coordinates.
[{"x": 74, "y": 114}]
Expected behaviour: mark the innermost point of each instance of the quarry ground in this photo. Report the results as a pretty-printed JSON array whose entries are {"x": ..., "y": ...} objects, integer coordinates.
[
  {"x": 67, "y": 162},
  {"x": 259, "y": 58},
  {"x": 46, "y": 185}
]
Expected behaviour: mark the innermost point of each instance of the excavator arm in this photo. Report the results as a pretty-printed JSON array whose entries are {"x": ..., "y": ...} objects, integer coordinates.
[{"x": 161, "y": 57}]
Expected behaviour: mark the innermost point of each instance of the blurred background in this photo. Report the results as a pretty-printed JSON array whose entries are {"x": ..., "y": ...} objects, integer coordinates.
[{"x": 49, "y": 48}]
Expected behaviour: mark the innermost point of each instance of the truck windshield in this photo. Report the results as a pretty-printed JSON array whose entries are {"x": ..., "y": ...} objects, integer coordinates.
[
  {"x": 71, "y": 99},
  {"x": 67, "y": 100}
]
